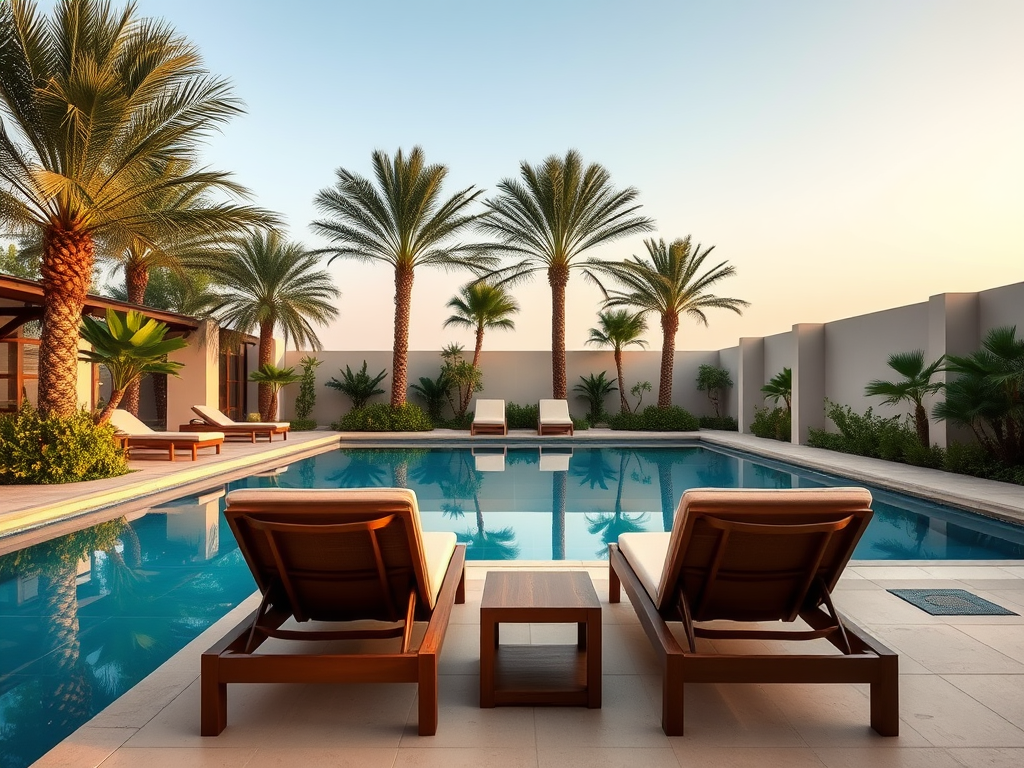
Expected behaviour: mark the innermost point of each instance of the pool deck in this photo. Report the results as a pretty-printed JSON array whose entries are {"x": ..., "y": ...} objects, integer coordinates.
[
  {"x": 962, "y": 678},
  {"x": 961, "y": 700}
]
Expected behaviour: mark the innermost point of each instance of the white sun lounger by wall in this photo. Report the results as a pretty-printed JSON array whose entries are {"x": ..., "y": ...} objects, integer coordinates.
[
  {"x": 489, "y": 418},
  {"x": 553, "y": 418}
]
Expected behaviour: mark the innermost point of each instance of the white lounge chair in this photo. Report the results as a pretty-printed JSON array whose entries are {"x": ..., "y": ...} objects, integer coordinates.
[
  {"x": 252, "y": 429},
  {"x": 553, "y": 418},
  {"x": 138, "y": 435},
  {"x": 489, "y": 418}
]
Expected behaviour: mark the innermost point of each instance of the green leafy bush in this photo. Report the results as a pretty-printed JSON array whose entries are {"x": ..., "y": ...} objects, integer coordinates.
[
  {"x": 359, "y": 386},
  {"x": 303, "y": 425},
  {"x": 522, "y": 416},
  {"x": 894, "y": 438},
  {"x": 383, "y": 417},
  {"x": 38, "y": 449},
  {"x": 772, "y": 423},
  {"x": 655, "y": 419},
  {"x": 456, "y": 422},
  {"x": 306, "y": 398},
  {"x": 727, "y": 423}
]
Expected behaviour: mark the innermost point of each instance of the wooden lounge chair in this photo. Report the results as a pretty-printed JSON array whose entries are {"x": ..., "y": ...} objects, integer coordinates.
[
  {"x": 209, "y": 416},
  {"x": 134, "y": 434},
  {"x": 754, "y": 556},
  {"x": 489, "y": 418},
  {"x": 553, "y": 418},
  {"x": 343, "y": 555}
]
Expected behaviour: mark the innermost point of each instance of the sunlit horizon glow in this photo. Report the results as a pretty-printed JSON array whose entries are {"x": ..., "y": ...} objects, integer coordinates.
[{"x": 844, "y": 157}]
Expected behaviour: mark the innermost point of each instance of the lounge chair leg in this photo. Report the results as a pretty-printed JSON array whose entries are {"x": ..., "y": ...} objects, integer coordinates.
[
  {"x": 195, "y": 453},
  {"x": 460, "y": 591},
  {"x": 614, "y": 594},
  {"x": 885, "y": 698},
  {"x": 427, "y": 692},
  {"x": 214, "y": 698},
  {"x": 672, "y": 696},
  {"x": 170, "y": 450}
]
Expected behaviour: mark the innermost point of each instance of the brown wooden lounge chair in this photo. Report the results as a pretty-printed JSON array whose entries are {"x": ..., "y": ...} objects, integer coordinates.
[
  {"x": 331, "y": 555},
  {"x": 489, "y": 418},
  {"x": 211, "y": 417},
  {"x": 553, "y": 418},
  {"x": 135, "y": 435},
  {"x": 754, "y": 556}
]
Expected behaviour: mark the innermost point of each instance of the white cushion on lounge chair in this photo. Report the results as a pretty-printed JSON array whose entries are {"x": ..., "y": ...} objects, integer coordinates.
[
  {"x": 646, "y": 553},
  {"x": 438, "y": 548},
  {"x": 217, "y": 418},
  {"x": 125, "y": 422},
  {"x": 489, "y": 412},
  {"x": 554, "y": 412}
]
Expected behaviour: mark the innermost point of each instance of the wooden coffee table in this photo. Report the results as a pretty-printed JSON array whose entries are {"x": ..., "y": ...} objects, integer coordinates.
[{"x": 568, "y": 675}]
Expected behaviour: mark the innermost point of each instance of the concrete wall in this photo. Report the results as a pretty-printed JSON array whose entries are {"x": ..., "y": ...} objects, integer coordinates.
[{"x": 199, "y": 379}]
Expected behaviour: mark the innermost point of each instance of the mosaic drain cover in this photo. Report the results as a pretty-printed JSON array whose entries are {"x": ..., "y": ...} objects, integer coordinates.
[{"x": 950, "y": 602}]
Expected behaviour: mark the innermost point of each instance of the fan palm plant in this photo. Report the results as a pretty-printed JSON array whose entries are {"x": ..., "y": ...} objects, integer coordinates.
[
  {"x": 275, "y": 379},
  {"x": 130, "y": 346},
  {"x": 96, "y": 101},
  {"x": 269, "y": 284},
  {"x": 480, "y": 306},
  {"x": 617, "y": 329},
  {"x": 549, "y": 217},
  {"x": 914, "y": 387},
  {"x": 670, "y": 282},
  {"x": 403, "y": 222},
  {"x": 780, "y": 387},
  {"x": 594, "y": 389}
]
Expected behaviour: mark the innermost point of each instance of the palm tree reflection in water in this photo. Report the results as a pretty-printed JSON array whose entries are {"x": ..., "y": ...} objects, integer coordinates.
[{"x": 609, "y": 526}]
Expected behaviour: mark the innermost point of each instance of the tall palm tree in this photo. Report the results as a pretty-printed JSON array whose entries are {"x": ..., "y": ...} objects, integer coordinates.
[
  {"x": 480, "y": 306},
  {"x": 96, "y": 102},
  {"x": 617, "y": 329},
  {"x": 271, "y": 284},
  {"x": 196, "y": 242},
  {"x": 402, "y": 221},
  {"x": 913, "y": 388},
  {"x": 549, "y": 217},
  {"x": 671, "y": 283}
]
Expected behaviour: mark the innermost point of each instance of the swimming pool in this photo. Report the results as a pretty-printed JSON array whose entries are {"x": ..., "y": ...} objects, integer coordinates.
[{"x": 84, "y": 617}]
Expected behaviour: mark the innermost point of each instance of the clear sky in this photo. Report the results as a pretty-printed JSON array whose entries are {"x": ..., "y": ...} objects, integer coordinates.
[{"x": 846, "y": 157}]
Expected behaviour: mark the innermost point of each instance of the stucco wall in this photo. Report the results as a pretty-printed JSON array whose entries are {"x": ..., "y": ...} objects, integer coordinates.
[
  {"x": 1001, "y": 306},
  {"x": 856, "y": 351},
  {"x": 779, "y": 353}
]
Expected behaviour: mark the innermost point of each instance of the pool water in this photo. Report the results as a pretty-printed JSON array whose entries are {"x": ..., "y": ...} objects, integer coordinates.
[{"x": 86, "y": 616}]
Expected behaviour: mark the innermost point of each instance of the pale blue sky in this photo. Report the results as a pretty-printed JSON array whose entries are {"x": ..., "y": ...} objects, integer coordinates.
[{"x": 845, "y": 157}]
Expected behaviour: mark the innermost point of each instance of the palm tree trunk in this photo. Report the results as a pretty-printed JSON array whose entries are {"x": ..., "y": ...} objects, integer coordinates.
[
  {"x": 136, "y": 278},
  {"x": 68, "y": 258},
  {"x": 623, "y": 402},
  {"x": 400, "y": 359},
  {"x": 669, "y": 325},
  {"x": 266, "y": 355},
  {"x": 115, "y": 400},
  {"x": 558, "y": 278},
  {"x": 559, "y": 482},
  {"x": 921, "y": 420},
  {"x": 68, "y": 696},
  {"x": 479, "y": 345}
]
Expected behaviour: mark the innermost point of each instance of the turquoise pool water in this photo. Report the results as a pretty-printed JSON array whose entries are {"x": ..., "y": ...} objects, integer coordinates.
[{"x": 84, "y": 617}]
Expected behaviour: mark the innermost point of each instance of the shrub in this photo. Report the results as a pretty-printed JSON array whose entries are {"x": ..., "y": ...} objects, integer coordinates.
[
  {"x": 727, "y": 423},
  {"x": 37, "y": 449},
  {"x": 522, "y": 416},
  {"x": 456, "y": 422},
  {"x": 303, "y": 425},
  {"x": 383, "y": 417},
  {"x": 594, "y": 389},
  {"x": 655, "y": 419},
  {"x": 714, "y": 381},
  {"x": 306, "y": 398},
  {"x": 772, "y": 423},
  {"x": 894, "y": 438},
  {"x": 359, "y": 386}
]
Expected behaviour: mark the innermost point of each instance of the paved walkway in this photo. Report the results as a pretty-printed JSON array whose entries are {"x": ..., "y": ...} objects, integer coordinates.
[{"x": 961, "y": 688}]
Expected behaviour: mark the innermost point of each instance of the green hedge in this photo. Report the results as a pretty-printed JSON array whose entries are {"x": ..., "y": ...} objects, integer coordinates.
[
  {"x": 303, "y": 425},
  {"x": 772, "y": 423},
  {"x": 727, "y": 423},
  {"x": 522, "y": 416},
  {"x": 382, "y": 417},
  {"x": 655, "y": 419},
  {"x": 37, "y": 449}
]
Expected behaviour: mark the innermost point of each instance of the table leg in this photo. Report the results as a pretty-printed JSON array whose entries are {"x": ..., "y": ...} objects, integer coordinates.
[
  {"x": 593, "y": 632},
  {"x": 488, "y": 647},
  {"x": 581, "y": 635}
]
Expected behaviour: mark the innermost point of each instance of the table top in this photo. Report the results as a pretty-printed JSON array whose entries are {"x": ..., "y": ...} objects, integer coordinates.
[{"x": 539, "y": 589}]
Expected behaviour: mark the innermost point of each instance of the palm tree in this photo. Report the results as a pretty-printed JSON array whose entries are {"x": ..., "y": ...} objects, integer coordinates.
[
  {"x": 479, "y": 306},
  {"x": 618, "y": 329},
  {"x": 670, "y": 283},
  {"x": 276, "y": 379},
  {"x": 96, "y": 101},
  {"x": 549, "y": 217},
  {"x": 196, "y": 242},
  {"x": 594, "y": 389},
  {"x": 270, "y": 284},
  {"x": 402, "y": 222},
  {"x": 130, "y": 346},
  {"x": 913, "y": 388},
  {"x": 780, "y": 387}
]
